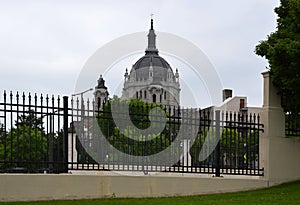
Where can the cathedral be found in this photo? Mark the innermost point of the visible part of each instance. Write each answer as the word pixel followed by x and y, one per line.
pixel 150 79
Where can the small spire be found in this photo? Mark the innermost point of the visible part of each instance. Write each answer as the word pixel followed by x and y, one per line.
pixel 151 21
pixel 151 24
pixel 151 49
pixel 101 83
pixel 126 73
pixel 177 74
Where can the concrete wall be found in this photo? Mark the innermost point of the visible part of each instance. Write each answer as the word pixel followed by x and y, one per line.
pixel 67 186
pixel 284 160
pixel 279 155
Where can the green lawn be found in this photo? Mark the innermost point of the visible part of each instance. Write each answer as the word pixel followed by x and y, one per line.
pixel 282 194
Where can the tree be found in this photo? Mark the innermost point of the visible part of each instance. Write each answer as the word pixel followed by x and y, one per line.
pixel 237 148
pixel 282 50
pixel 2 132
pixel 31 120
pixel 230 146
pixel 25 145
pixel 130 140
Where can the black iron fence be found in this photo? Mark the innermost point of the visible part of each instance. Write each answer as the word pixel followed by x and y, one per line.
pixel 32 135
pixel 54 135
pixel 292 125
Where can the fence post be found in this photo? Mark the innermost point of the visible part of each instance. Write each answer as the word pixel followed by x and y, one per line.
pixel 279 155
pixel 65 139
pixel 218 145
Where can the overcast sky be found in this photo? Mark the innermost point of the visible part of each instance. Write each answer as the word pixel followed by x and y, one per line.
pixel 45 44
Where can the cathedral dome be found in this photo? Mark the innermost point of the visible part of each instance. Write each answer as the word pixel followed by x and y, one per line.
pixel 151 60
pixel 155 64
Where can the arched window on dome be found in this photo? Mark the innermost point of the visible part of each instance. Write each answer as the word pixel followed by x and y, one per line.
pixel 165 95
pixel 145 94
pixel 137 94
pixel 154 98
pixel 141 94
pixel 98 102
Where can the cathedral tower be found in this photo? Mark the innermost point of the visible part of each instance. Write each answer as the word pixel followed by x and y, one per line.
pixel 151 78
pixel 101 93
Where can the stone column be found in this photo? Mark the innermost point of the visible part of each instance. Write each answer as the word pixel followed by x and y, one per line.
pixel 187 158
pixel 272 117
pixel 279 155
pixel 72 152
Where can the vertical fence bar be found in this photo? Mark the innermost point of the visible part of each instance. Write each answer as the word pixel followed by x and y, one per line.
pixel 73 140
pixel 65 139
pixel 218 151
pixel 5 134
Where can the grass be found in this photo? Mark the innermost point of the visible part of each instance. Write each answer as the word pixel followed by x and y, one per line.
pixel 283 194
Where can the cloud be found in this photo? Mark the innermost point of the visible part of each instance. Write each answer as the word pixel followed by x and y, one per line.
pixel 44 44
